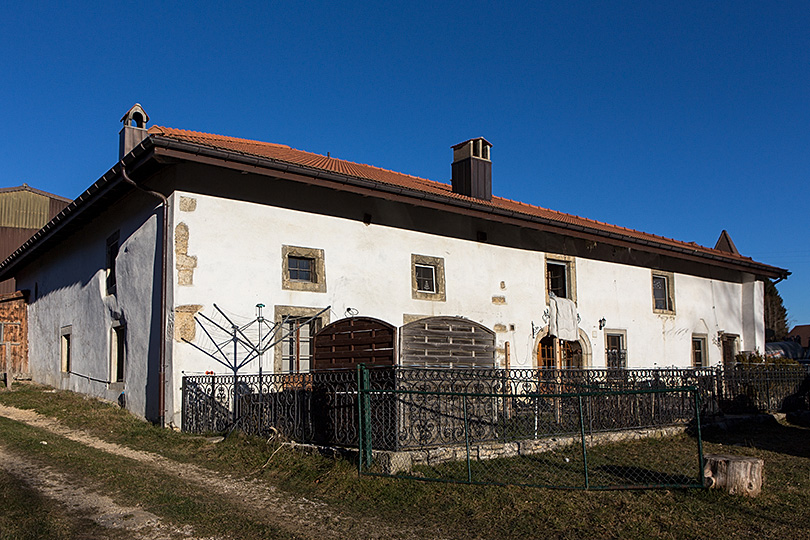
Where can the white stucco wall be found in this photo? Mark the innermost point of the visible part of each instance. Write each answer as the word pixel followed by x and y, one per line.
pixel 67 288
pixel 238 247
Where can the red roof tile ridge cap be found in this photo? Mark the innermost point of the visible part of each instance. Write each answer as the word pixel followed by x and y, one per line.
pixel 201 134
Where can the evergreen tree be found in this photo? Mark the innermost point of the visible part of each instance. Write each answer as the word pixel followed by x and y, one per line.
pixel 776 327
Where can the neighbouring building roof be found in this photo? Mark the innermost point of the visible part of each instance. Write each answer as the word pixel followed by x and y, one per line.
pixel 802 332
pixel 210 148
pixel 24 207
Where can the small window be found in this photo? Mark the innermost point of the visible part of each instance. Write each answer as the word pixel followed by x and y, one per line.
pixel 112 254
pixel 117 353
pixel 301 269
pixel 699 352
pixel 425 278
pixel 662 285
pixel 557 280
pixel 65 346
pixel 615 351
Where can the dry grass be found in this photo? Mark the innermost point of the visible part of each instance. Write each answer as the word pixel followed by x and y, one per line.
pixel 486 511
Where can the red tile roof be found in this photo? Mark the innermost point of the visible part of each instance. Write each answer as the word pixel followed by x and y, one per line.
pixel 286 154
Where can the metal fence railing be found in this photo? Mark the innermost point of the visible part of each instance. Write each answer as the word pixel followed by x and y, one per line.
pixel 321 407
pixel 572 439
pixel 308 407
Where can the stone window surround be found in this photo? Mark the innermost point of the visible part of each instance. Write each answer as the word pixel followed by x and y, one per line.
pixel 670 280
pixel 438 264
pixel 292 311
pixel 618 332
pixel 704 338
pixel 318 283
pixel 570 274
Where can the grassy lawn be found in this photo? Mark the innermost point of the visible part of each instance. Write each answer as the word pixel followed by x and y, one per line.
pixel 452 510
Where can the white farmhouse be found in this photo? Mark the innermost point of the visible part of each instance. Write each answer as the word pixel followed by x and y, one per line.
pixel 187 220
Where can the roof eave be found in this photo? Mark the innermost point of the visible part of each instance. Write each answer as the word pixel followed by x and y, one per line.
pixel 196 151
pixel 76 208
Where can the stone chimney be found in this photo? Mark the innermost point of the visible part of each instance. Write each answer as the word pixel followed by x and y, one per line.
pixel 134 130
pixel 472 169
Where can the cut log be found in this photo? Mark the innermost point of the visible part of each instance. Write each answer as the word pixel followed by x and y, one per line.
pixel 739 475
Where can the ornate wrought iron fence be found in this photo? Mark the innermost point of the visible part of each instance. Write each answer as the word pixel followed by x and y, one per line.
pixel 473 433
pixel 321 407
pixel 308 407
pixel 745 388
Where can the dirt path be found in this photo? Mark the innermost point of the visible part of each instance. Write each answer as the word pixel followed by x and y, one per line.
pixel 137 523
pixel 297 515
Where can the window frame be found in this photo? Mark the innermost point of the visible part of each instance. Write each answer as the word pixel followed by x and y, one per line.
pixel 118 354
pixel 421 279
pixel 704 351
pixel 622 334
pixel 669 288
pixel 439 294
pixel 66 349
pixel 292 341
pixel 295 271
pixel 295 312
pixel 317 283
pixel 569 264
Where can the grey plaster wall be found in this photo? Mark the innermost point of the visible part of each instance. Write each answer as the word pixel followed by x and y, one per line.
pixel 67 288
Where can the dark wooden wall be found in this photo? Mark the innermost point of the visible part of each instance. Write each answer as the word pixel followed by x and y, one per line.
pixel 355 340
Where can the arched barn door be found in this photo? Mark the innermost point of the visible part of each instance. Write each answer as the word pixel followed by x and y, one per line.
pixel 354 340
pixel 447 342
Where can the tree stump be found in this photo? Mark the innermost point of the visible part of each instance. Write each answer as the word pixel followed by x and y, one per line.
pixel 739 475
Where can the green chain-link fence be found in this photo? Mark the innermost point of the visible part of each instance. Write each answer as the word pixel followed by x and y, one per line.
pixel 550 435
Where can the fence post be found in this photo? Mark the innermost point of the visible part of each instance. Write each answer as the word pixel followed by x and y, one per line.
pixel 701 478
pixel 235 414
pixel 363 418
pixel 467 437
pixel 212 408
pixel 184 407
pixel 584 445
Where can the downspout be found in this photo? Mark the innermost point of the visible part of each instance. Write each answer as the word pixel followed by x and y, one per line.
pixel 163 292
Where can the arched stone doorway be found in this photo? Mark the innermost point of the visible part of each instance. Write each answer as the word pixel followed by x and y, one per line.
pixel 552 352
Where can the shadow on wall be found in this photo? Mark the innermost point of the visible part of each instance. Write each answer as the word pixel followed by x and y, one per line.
pixel 71 265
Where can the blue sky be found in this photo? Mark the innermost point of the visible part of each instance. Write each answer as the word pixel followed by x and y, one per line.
pixel 679 119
